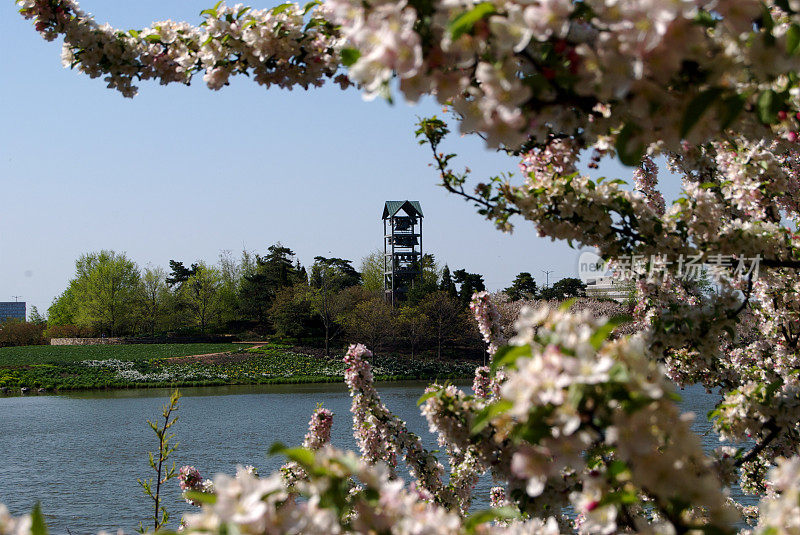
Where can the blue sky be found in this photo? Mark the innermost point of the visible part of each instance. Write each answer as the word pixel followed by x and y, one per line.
pixel 185 173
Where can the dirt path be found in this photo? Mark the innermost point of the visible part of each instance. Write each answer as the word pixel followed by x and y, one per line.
pixel 216 358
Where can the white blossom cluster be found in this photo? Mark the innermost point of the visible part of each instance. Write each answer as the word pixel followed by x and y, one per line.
pixel 599 69
pixel 367 500
pixel 276 47
pixel 602 70
pixel 488 321
pixel 780 513
pixel 10 525
pixel 383 437
pixel 567 398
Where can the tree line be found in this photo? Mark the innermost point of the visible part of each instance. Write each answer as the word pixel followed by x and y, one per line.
pixel 274 295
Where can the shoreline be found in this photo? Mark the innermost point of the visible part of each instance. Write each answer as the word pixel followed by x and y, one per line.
pixel 33 392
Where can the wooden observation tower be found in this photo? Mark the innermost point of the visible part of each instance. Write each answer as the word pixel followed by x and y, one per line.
pixel 402 248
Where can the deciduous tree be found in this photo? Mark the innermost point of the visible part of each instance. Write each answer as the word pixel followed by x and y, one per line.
pixel 154 298
pixel 105 286
pixel 371 321
pixel 201 295
pixel 447 318
pixel 372 272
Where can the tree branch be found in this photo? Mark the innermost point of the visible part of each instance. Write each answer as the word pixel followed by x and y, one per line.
pixel 758 448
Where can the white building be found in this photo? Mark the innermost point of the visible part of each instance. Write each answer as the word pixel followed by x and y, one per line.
pixel 609 288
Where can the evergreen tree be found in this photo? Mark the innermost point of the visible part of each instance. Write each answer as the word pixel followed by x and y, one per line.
pixel 447 285
pixel 300 273
pixel 564 289
pixel 179 273
pixel 341 273
pixel 469 283
pixel 258 289
pixel 329 277
pixel 279 266
pixel 523 287
pixel 426 283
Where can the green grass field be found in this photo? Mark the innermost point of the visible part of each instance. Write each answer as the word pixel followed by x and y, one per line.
pixel 29 355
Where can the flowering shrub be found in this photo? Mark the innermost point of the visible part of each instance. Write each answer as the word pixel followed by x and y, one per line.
pixel 563 416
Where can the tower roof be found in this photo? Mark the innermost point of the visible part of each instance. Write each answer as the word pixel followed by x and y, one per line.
pixel 410 207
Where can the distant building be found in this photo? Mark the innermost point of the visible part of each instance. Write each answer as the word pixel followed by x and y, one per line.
pixel 402 248
pixel 609 288
pixel 12 310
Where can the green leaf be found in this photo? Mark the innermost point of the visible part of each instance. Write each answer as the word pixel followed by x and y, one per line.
pixel 488 413
pixel 487 515
pixel 466 21
pixel 38 527
pixel 792 38
pixel 616 468
pixel 769 103
pixel 349 56
pixel 426 396
pixel 697 107
pixel 277 448
pixel 310 5
pixel 508 355
pixel 302 456
pixel 201 497
pixel 154 38
pixel 602 334
pixel 629 153
pixel 281 8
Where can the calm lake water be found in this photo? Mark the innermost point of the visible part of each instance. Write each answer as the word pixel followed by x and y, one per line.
pixel 81 454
